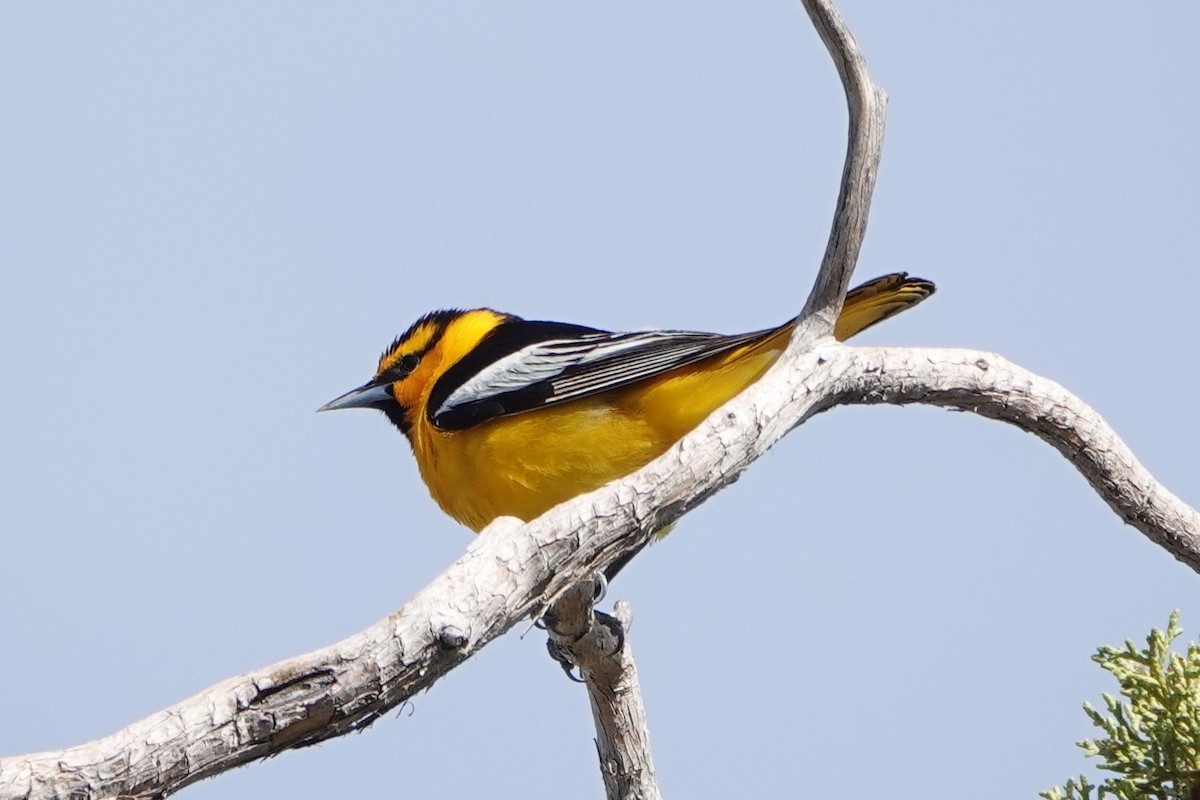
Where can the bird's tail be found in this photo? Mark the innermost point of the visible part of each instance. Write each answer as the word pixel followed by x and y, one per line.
pixel 877 300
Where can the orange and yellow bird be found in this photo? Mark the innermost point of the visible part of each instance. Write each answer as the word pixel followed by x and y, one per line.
pixel 510 417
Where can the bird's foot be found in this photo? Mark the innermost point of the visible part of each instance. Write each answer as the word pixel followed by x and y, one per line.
pixel 567 667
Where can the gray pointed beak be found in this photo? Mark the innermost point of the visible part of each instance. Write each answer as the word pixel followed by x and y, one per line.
pixel 367 396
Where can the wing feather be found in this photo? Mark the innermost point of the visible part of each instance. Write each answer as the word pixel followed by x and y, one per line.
pixel 558 368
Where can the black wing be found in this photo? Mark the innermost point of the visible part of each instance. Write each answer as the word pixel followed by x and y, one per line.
pixel 523 365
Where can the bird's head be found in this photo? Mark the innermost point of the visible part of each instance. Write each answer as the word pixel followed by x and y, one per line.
pixel 409 368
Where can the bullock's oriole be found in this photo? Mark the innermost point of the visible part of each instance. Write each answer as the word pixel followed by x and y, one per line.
pixel 510 417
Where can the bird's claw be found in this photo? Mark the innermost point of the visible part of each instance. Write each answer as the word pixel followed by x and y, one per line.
pixel 563 661
pixel 599 587
pixel 614 626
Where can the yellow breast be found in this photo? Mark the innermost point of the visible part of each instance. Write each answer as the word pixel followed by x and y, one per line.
pixel 525 464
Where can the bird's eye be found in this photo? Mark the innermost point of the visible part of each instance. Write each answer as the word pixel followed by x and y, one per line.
pixel 402 368
pixel 399 370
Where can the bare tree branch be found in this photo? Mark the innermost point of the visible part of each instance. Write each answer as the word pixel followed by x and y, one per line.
pixel 867 104
pixel 605 659
pixel 514 571
pixel 622 736
pixel 991 386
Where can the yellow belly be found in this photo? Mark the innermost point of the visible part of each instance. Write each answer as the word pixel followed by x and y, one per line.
pixel 525 464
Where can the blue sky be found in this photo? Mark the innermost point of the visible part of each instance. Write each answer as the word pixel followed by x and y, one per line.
pixel 213 217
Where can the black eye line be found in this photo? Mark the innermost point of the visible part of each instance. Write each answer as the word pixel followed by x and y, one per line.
pixel 409 361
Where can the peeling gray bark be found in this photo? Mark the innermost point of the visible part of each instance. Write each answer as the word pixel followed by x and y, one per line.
pixel 993 387
pixel 515 571
pixel 603 654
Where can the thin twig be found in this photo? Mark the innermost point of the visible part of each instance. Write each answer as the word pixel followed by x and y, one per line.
pixel 867 106
pixel 604 656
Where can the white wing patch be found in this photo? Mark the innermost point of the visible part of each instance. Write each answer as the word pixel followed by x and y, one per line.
pixel 529 365
pixel 629 356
